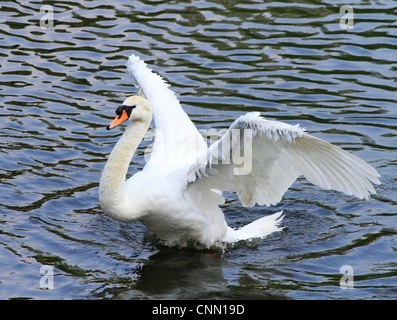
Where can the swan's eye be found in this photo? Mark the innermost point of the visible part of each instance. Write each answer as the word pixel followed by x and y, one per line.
pixel 119 110
pixel 128 109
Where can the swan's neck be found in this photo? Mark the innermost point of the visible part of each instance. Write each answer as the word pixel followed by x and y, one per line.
pixel 111 186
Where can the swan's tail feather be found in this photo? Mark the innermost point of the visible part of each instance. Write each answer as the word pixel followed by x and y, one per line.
pixel 257 229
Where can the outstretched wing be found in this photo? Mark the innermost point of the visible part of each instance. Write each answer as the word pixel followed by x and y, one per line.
pixel 177 141
pixel 260 159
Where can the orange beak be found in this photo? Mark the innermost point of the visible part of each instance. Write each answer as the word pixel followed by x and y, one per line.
pixel 118 120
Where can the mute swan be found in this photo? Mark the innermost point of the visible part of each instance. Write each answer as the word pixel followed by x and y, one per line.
pixel 178 192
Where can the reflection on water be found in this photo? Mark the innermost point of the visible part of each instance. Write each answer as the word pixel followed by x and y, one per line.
pixel 169 274
pixel 293 62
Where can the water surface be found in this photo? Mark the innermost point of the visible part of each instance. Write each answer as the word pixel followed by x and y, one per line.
pixel 291 61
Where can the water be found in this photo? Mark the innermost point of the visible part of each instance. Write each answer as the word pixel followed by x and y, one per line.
pixel 291 61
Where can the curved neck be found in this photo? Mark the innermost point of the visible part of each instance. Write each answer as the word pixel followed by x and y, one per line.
pixel 111 186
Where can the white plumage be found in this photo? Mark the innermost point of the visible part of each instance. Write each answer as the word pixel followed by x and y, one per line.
pixel 178 193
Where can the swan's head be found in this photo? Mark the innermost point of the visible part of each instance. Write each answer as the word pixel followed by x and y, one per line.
pixel 134 107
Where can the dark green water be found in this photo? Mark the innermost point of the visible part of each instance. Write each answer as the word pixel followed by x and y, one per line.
pixel 291 60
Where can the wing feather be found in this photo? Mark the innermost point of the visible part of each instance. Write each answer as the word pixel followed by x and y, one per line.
pixel 278 153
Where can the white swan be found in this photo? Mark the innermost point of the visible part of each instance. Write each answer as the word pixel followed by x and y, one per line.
pixel 178 193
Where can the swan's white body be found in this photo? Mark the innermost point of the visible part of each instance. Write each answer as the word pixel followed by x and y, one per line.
pixel 178 193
